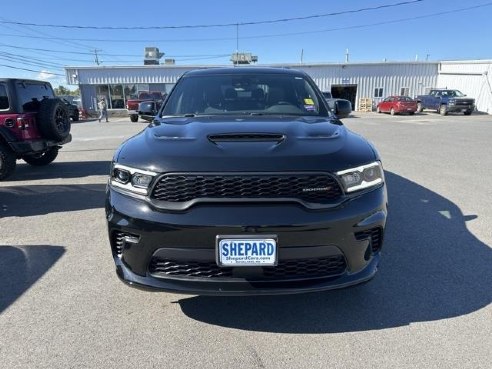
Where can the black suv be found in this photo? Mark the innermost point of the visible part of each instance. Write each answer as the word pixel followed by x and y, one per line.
pixel 245 183
pixel 73 110
pixel 33 124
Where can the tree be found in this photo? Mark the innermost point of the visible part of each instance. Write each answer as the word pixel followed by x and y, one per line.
pixel 61 90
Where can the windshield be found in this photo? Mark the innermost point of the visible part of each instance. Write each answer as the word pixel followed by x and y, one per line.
pixel 30 95
pixel 156 95
pixel 242 94
pixel 404 98
pixel 455 93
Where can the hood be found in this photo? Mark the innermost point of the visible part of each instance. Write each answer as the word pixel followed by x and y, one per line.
pixel 258 143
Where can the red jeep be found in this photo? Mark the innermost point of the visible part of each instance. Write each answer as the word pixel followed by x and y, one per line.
pixel 33 124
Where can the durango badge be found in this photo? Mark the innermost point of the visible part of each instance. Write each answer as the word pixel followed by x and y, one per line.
pixel 316 189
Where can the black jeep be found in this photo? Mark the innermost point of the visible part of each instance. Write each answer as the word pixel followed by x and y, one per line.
pixel 33 124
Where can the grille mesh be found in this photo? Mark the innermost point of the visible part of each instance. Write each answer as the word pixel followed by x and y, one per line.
pixel 118 241
pixel 186 187
pixel 286 269
pixel 375 235
pixel 464 102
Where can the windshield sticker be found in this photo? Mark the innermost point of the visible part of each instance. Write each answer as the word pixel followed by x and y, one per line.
pixel 308 101
pixel 310 107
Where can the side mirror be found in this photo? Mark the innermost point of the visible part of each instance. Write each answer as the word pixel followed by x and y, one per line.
pixel 147 108
pixel 343 108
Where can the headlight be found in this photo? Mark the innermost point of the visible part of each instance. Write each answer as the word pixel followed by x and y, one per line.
pixel 451 101
pixel 131 179
pixel 365 176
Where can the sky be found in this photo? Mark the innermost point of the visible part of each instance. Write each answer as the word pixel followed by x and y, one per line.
pixel 44 37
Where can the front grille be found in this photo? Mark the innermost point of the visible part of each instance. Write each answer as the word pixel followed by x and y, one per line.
pixel 315 188
pixel 328 266
pixel 187 268
pixel 374 235
pixel 118 241
pixel 308 268
pixel 464 102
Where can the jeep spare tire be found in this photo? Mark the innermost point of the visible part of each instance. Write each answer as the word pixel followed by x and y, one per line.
pixel 54 119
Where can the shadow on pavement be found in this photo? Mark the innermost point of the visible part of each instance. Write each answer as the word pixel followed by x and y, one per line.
pixel 21 267
pixel 26 172
pixel 432 268
pixel 23 201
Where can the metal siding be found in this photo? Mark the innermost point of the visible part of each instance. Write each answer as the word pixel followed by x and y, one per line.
pixel 391 77
pixel 471 77
pixel 128 75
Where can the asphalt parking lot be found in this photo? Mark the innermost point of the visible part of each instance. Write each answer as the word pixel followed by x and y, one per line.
pixel 62 306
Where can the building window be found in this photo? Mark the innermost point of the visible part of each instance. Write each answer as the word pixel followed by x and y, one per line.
pixel 404 91
pixel 117 98
pixel 102 92
pixel 378 92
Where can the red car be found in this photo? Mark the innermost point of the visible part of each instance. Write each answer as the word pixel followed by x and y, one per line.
pixel 397 105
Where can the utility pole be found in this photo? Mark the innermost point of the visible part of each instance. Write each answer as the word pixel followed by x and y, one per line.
pixel 237 44
pixel 302 56
pixel 96 57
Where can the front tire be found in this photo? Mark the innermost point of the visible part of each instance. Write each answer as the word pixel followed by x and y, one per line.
pixel 7 161
pixel 467 112
pixel 44 158
pixel 443 110
pixel 134 118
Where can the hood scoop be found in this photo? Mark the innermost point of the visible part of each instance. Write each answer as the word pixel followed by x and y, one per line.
pixel 246 137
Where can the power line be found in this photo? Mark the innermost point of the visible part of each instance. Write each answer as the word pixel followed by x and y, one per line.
pixel 23 58
pixel 368 25
pixel 271 35
pixel 281 20
pixel 47 50
pixel 47 63
pixel 32 70
pixel 105 54
pixel 22 61
pixel 29 31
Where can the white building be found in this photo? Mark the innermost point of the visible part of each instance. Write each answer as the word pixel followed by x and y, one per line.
pixel 353 81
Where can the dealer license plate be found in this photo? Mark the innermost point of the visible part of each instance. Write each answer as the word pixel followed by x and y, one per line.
pixel 246 251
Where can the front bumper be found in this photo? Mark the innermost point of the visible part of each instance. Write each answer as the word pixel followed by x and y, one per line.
pixel 144 235
pixel 459 108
